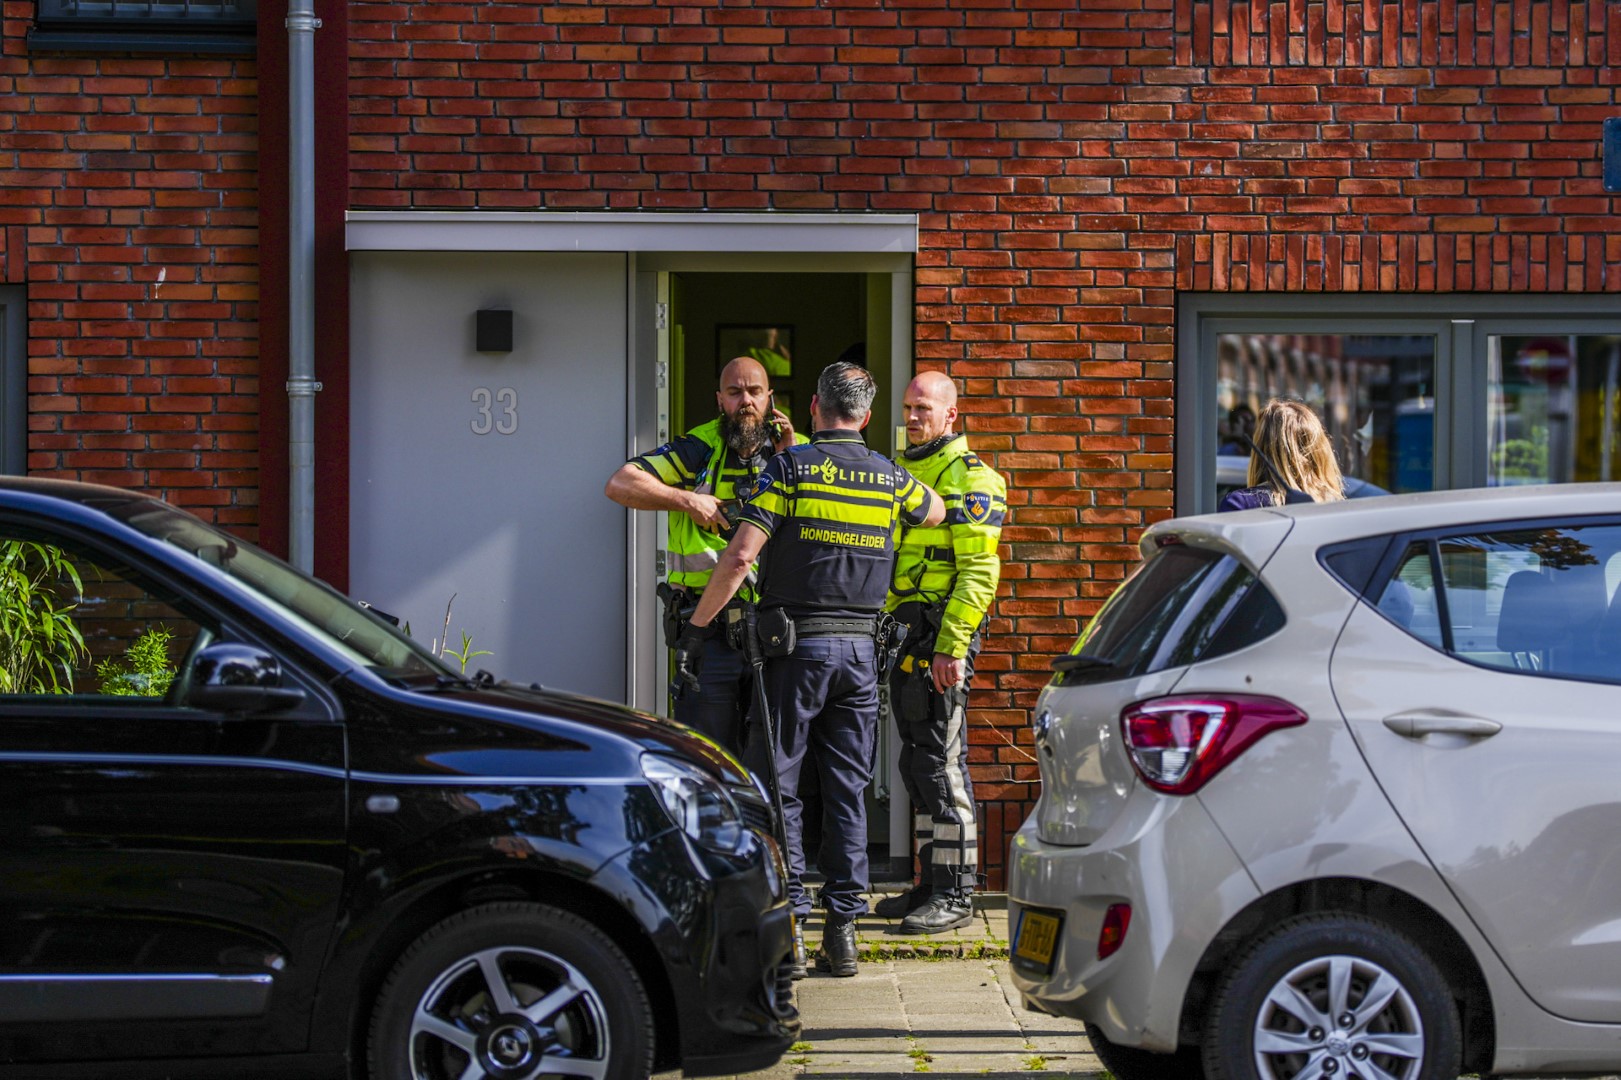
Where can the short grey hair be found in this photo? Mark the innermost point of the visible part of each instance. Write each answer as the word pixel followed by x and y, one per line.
pixel 846 391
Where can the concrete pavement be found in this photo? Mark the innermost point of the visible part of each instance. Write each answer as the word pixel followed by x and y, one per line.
pixel 942 1005
pixel 948 1018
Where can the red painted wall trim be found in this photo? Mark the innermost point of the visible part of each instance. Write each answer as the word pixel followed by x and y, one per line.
pixel 332 294
pixel 273 460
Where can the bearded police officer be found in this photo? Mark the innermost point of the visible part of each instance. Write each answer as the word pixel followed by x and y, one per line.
pixel 945 581
pixel 697 479
pixel 825 517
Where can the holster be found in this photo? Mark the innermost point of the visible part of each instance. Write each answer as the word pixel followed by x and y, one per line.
pixel 679 604
pixel 889 634
pixel 774 630
pixel 922 622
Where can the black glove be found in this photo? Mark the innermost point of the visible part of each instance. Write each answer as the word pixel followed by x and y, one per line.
pixel 689 654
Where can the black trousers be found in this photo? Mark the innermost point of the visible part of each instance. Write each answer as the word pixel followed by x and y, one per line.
pixel 825 696
pixel 721 701
pixel 933 730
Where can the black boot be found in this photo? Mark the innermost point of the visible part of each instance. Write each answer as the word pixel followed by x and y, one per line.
pixel 796 961
pixel 903 904
pixel 837 956
pixel 944 911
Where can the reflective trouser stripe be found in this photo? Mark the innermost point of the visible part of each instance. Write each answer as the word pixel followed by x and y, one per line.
pixel 934 766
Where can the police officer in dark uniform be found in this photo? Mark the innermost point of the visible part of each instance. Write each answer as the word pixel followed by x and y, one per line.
pixel 823 520
pixel 698 479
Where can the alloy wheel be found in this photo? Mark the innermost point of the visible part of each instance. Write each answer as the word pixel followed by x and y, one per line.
pixel 509 1014
pixel 1337 1017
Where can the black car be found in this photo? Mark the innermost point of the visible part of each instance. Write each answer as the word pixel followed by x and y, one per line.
pixel 248 825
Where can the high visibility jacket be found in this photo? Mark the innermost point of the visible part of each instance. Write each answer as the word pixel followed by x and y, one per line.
pixel 955 561
pixel 700 461
pixel 830 512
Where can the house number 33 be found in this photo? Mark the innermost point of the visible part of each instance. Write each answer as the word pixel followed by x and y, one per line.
pixel 497 410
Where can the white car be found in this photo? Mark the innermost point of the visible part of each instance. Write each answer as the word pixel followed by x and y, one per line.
pixel 1335 791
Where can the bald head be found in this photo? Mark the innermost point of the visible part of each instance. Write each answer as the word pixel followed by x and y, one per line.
pixel 744 371
pixel 743 397
pixel 930 405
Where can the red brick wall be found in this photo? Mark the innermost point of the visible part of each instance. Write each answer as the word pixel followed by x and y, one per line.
pixel 128 210
pixel 1075 164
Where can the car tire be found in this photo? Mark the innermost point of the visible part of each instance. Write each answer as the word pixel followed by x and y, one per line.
pixel 1332 987
pixel 1130 1063
pixel 565 990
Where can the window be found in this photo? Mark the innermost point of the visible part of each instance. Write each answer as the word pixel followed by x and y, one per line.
pixel 1417 392
pixel 1552 404
pixel 145 25
pixel 1536 600
pixel 1375 394
pixel 1185 604
pixel 76 625
pixel 1408 598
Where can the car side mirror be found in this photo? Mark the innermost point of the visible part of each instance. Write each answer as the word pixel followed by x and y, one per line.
pixel 232 677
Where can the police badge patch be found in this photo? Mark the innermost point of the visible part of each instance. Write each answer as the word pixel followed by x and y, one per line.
pixel 977 506
pixel 758 488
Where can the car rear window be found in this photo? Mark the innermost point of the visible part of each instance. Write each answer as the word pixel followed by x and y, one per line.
pixel 1185 604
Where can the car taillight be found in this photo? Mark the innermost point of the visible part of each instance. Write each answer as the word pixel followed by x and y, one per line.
pixel 1178 743
pixel 1116 921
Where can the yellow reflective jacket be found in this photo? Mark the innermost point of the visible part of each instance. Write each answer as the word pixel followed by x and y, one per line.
pixel 956 560
pixel 701 461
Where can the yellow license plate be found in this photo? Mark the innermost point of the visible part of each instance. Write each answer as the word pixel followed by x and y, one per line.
pixel 1037 939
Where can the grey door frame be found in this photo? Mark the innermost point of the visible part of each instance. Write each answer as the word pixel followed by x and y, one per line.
pixel 1461 324
pixel 13 380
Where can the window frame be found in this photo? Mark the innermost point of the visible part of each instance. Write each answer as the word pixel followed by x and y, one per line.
pixel 13 381
pixel 56 28
pixel 1461 324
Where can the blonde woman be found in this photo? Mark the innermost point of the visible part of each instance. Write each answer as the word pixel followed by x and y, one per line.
pixel 1291 460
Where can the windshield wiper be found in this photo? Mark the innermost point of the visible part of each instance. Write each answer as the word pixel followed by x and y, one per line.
pixel 481 680
pixel 1077 662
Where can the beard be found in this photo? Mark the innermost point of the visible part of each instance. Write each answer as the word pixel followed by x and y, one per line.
pixel 744 432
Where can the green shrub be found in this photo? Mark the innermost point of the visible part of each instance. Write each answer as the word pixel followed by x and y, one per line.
pixel 39 641
pixel 145 670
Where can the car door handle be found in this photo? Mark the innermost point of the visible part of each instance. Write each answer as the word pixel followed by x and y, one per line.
pixel 1416 727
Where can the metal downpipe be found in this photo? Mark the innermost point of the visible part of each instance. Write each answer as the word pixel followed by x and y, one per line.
pixel 301 384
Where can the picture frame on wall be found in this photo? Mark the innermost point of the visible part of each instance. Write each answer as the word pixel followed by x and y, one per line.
pixel 772 345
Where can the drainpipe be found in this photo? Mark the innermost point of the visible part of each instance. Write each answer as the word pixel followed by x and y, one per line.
pixel 301 384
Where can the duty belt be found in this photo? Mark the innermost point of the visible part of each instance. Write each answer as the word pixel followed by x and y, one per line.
pixel 826 626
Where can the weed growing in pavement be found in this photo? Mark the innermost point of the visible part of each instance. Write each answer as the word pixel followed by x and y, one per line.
pixel 801 1047
pixel 1035 1063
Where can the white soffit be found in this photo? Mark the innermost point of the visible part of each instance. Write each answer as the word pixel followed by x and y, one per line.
pixel 478 230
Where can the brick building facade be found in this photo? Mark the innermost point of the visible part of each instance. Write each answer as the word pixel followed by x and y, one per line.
pixel 1077 170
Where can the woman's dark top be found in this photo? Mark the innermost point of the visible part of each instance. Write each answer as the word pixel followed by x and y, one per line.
pixel 1250 498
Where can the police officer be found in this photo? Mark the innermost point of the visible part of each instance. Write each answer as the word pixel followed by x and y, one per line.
pixel 825 517
pixel 945 580
pixel 697 479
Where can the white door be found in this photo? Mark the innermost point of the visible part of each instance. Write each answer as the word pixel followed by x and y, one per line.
pixel 480 475
pixel 1499 742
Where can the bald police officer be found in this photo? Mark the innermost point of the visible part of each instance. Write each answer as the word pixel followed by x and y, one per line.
pixel 945 581
pixel 697 478
pixel 825 517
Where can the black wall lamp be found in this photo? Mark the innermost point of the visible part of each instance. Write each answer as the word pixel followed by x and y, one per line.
pixel 494 330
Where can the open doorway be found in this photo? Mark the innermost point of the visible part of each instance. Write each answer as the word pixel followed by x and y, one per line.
pixel 795 324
